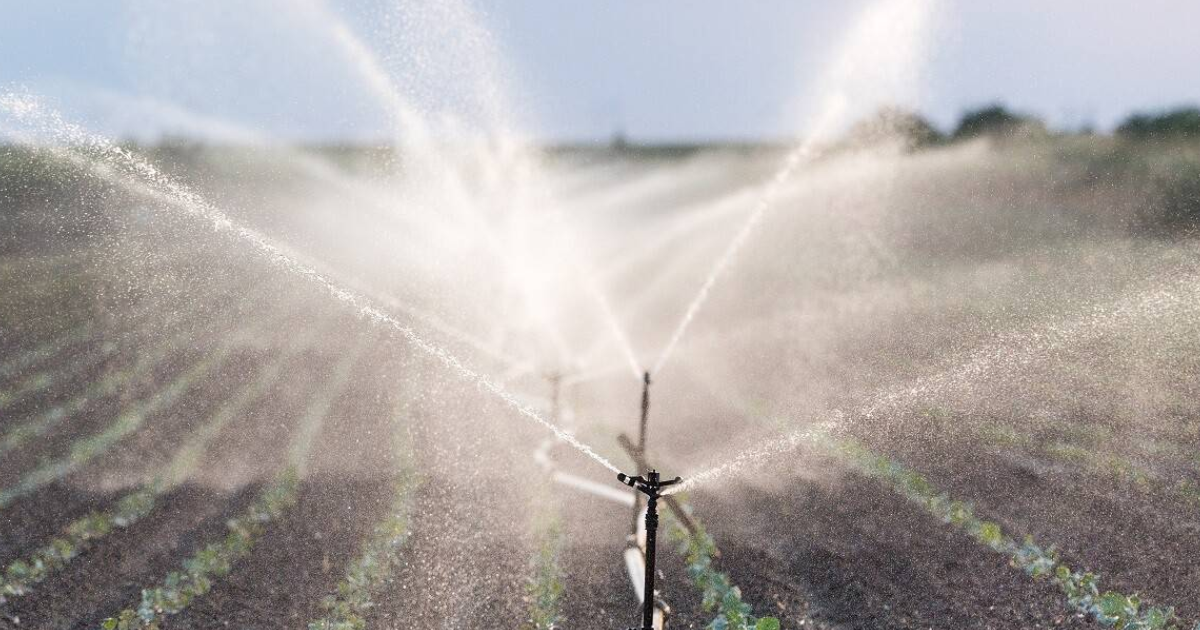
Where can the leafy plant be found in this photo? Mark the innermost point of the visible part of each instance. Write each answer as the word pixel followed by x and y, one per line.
pixel 214 561
pixel 718 593
pixel 20 576
pixel 87 449
pixel 217 559
pixel 375 565
pixel 46 350
pixel 546 588
pixel 112 383
pixel 1082 590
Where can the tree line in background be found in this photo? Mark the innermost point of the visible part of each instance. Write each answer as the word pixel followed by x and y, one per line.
pixel 996 120
pixel 1149 169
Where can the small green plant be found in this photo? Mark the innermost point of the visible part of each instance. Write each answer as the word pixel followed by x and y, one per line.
pixel 46 350
pixel 87 449
pixel 20 576
pixel 1069 453
pixel 214 561
pixel 546 586
pixel 1082 590
pixel 370 572
pixel 719 595
pixel 112 383
pixel 217 559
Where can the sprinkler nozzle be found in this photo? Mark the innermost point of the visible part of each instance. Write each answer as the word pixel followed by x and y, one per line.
pixel 632 482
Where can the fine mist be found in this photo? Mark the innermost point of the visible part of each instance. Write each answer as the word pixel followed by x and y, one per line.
pixel 910 378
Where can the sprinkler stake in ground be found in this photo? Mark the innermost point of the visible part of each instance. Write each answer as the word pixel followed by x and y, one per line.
pixel 651 485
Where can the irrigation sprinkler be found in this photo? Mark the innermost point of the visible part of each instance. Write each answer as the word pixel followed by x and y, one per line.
pixel 651 485
pixel 645 412
pixel 672 503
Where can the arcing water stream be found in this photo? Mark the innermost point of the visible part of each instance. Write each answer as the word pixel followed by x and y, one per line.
pixel 870 68
pixel 1178 297
pixel 879 52
pixel 964 302
pixel 28 110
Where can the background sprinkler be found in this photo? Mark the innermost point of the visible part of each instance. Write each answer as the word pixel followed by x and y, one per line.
pixel 639 451
pixel 645 412
pixel 638 557
pixel 651 485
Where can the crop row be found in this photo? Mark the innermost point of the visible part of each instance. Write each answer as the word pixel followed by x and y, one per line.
pixel 368 574
pixel 1082 590
pixel 719 596
pixel 20 576
pixel 201 571
pixel 85 450
pixel 214 561
pixel 47 353
pixel 54 371
pixel 46 350
pixel 44 379
pixel 546 585
pixel 1102 463
pixel 111 384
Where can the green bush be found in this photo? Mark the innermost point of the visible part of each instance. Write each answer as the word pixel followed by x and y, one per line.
pixel 1183 122
pixel 997 120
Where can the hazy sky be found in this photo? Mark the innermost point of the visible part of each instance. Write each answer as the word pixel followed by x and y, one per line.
pixel 657 69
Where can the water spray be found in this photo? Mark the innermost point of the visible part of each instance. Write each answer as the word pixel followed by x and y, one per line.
pixel 651 485
pixel 134 173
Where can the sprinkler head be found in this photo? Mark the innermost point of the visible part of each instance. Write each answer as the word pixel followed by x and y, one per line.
pixel 646 377
pixel 648 485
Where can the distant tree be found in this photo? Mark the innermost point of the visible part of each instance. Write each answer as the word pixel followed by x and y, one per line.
pixel 997 120
pixel 1183 122
pixel 893 124
pixel 619 140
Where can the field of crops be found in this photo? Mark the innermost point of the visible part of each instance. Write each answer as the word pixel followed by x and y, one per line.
pixel 1003 338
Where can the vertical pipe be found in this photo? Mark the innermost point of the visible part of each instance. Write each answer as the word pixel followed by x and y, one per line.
pixel 645 413
pixel 651 536
pixel 641 444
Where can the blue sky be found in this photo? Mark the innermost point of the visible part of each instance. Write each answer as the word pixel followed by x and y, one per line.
pixel 658 70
